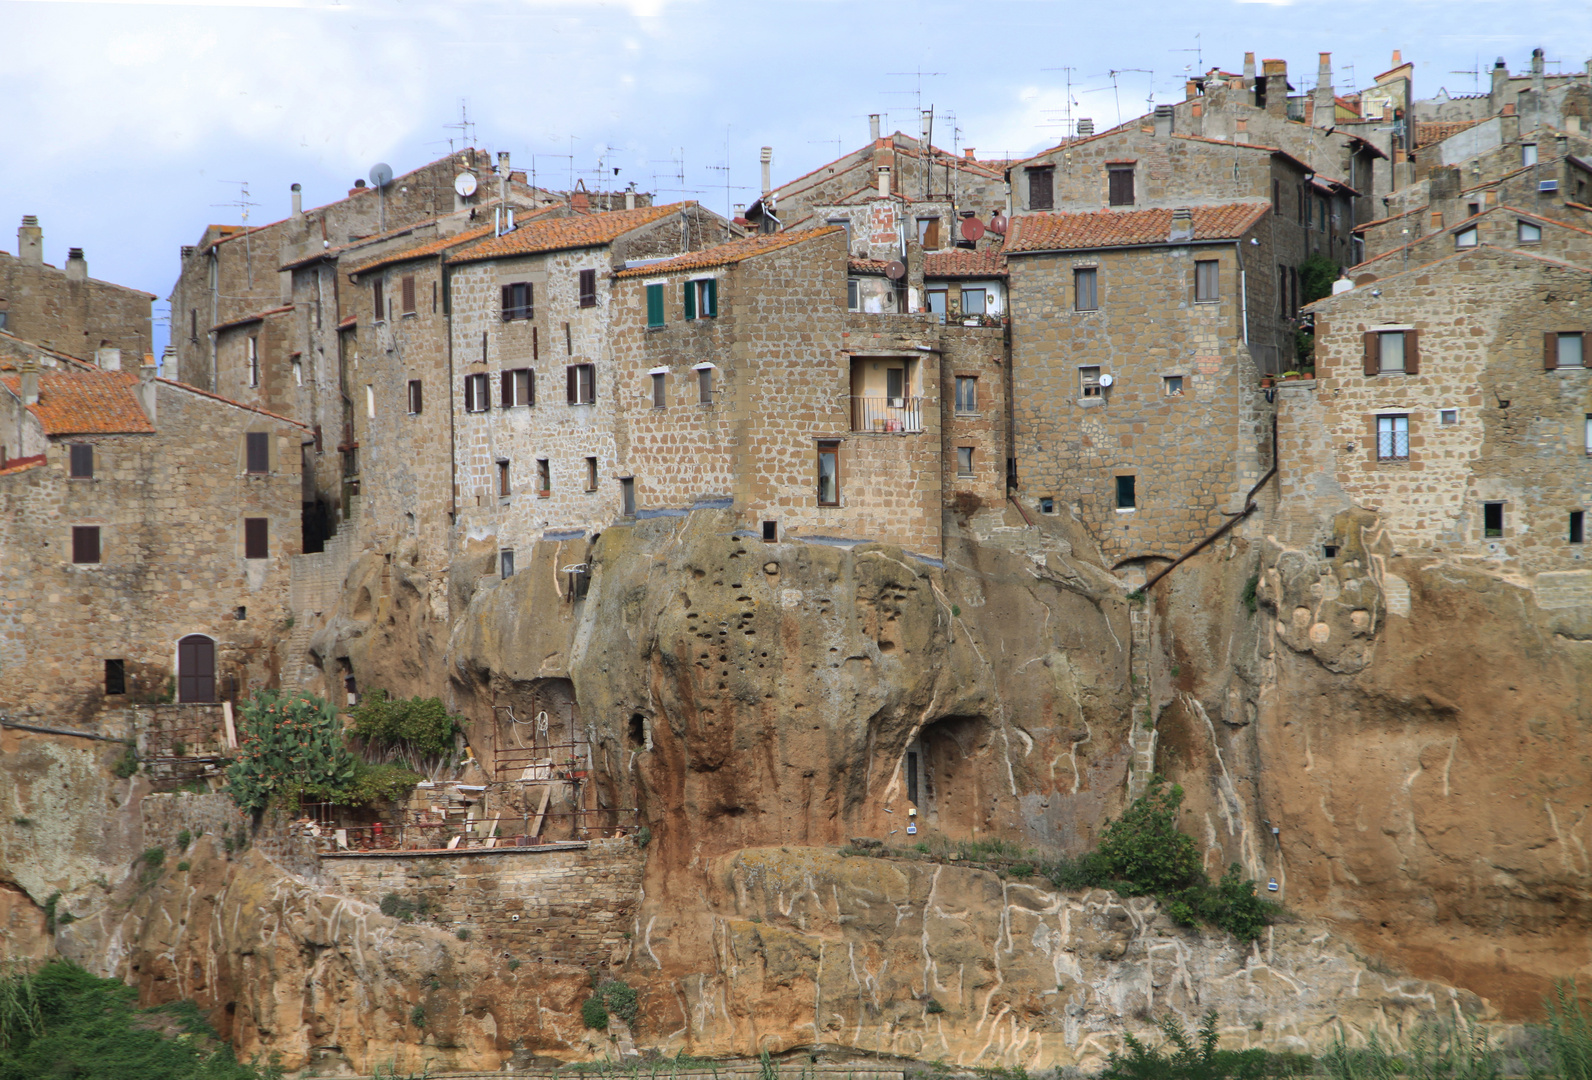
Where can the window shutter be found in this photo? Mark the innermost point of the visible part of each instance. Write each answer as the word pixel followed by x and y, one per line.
pixel 257 447
pixel 508 302
pixel 506 398
pixel 654 305
pixel 1412 352
pixel 1373 353
pixel 711 301
pixel 256 543
pixel 375 298
pixel 1550 352
pixel 530 386
pixel 569 374
pixel 469 393
pixel 409 294
pixel 690 300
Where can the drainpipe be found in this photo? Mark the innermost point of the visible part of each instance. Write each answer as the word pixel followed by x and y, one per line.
pixel 453 442
pixel 1243 291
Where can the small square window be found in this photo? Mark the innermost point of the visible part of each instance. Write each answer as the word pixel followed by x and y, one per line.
pixel 967 394
pixel 702 299
pixel 770 531
pixel 115 676
pixel 591 474
pixel 1448 417
pixel 582 384
pixel 1127 492
pixel 82 461
pixel 1047 505
pixel 1390 350
pixel 256 538
pixel 477 395
pixel 544 476
pixel 1329 551
pixel 518 389
pixel 1528 153
pixel 1121 185
pixel 964 461
pixel 518 301
pixel 1085 288
pixel 1529 233
pixel 659 391
pixel 1577 526
pixel 1089 382
pixel 705 385
pixel 1173 385
pixel 85 543
pixel 506 563
pixel 416 397
pixel 1492 519
pixel 1466 238
pixel 1571 353
pixel 974 301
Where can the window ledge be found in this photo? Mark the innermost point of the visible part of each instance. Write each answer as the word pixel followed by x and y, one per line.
pixel 1126 509
pixel 967 415
pixel 1091 402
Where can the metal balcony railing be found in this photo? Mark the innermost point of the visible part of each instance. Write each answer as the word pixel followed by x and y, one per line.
pixel 886 414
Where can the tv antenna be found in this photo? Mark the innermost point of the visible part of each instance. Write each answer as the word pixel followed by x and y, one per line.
pixel 917 93
pixel 1474 73
pixel 1066 121
pixel 465 127
pixel 1199 57
pixel 729 209
pixel 1117 97
pixel 242 203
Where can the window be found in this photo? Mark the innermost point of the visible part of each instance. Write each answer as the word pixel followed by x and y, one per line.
pixel 1085 292
pixel 257 452
pixel 370 401
pixel 1041 187
pixel 85 543
pixel 477 398
pixel 1577 526
pixel 929 233
pixel 1127 492
pixel 627 496
pixel 581 382
pixel 659 400
pixel 973 301
pixel 1392 352
pixel 82 462
pixel 376 300
pixel 193 324
pixel 298 371
pixel 256 538
pixel 1448 417
pixel 569 342
pixel 1393 438
pixel 936 304
pixel 116 676
pixel 1120 184
pixel 1276 196
pixel 591 474
pixel 702 298
pixel 416 397
pixel 252 361
pixel 505 478
pixel 407 289
pixel 1089 382
pixel 518 388
pixel 655 304
pixel 1492 520
pixel 1329 551
pixel 1207 281
pixel 853 294
pixel 895 386
pixel 705 385
pixel 544 476
pixel 966 394
pixel 1563 350
pixel 828 474
pixel 1529 233
pixel 1472 209
pixel 1465 238
pixel 518 301
pixel 1299 204
pixel 964 461
pixel 1047 504
pixel 1282 290
pixel 506 563
pixel 1172 385
pixel 1528 153
pixel 1587 436
pixel 770 532
pixel 588 288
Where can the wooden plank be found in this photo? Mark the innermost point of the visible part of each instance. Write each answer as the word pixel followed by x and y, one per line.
pixel 541 811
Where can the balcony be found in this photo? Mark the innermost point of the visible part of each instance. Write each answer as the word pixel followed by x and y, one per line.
pixel 887 415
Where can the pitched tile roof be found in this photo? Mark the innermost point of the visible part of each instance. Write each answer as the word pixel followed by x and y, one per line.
pixel 258 316
pixel 21 464
pixel 1502 209
pixel 14 351
pixel 86 403
pixel 1483 250
pixel 962 263
pixel 867 266
pixel 732 251
pixel 561 234
pixel 234 404
pixel 1127 228
pixel 420 251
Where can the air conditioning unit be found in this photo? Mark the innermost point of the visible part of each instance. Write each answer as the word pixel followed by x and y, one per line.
pixel 1547 185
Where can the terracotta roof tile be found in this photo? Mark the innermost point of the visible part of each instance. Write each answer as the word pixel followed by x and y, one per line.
pixel 420 251
pixel 1435 131
pixel 732 251
pixel 21 464
pixel 259 316
pixel 86 403
pixel 561 234
pixel 1127 228
pixel 962 263
pixel 15 350
pixel 352 320
pixel 867 266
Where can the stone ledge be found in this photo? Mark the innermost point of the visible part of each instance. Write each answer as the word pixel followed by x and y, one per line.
pixel 459 853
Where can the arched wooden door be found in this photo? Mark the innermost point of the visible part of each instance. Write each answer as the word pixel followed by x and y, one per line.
pixel 196 668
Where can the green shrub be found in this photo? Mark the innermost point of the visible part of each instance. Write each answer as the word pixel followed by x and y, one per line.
pixel 1251 589
pixel 1022 871
pixel 54 918
pixel 417 1016
pixel 463 933
pixel 1316 276
pixel 154 858
pixel 401 907
pixel 182 867
pixel 418 729
pixel 22 821
pixel 1442 1051
pixel 1198 1058
pixel 289 744
pixel 377 784
pixel 1145 847
pixel 594 1014
pixel 933 1008
pixel 1568 1033
pixel 514 965
pixel 126 765
pixel 184 838
pixel 643 837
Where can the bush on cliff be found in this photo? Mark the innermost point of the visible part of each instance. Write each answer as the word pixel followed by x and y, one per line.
pixel 1182 1057
pixel 416 730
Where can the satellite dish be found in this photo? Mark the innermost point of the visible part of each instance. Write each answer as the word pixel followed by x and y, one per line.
pixel 972 229
pixel 895 271
pixel 1106 380
pixel 997 224
pixel 464 184
pixel 381 174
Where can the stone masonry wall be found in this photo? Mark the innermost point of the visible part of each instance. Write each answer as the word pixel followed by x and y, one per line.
pixel 75 315
pixel 565 904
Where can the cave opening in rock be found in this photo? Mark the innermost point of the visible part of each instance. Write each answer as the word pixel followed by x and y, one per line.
pixel 943 772
pixel 638 732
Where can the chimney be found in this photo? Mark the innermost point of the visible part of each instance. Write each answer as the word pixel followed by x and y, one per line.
pixel 884 181
pixel 298 199
pixel 1163 121
pixel 30 242
pixel 503 164
pixel 873 127
pixel 1500 84
pixel 1249 70
pixel 1275 73
pixel 1085 128
pixel 76 265
pixel 969 155
pixel 146 384
pixel 1509 124
pixel 1191 89
pixel 630 197
pixel 189 250
pixel 1398 58
pixel 30 381
pixel 107 358
pixel 767 159
pixel 168 361
pixel 1182 225
pixel 1326 98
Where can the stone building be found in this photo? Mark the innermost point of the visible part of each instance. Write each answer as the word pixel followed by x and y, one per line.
pixel 65 309
pixel 743 381
pixel 147 527
pixel 1452 400
pixel 1136 345
pixel 534 395
pixel 1499 226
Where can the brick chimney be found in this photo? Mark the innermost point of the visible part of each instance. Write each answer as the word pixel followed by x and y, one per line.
pixel 1163 121
pixel 1249 69
pixel 30 241
pixel 146 389
pixel 30 381
pixel 1182 225
pixel 1325 97
pixel 1276 76
pixel 76 265
pixel 968 155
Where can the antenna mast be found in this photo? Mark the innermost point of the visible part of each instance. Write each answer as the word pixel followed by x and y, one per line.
pixel 243 205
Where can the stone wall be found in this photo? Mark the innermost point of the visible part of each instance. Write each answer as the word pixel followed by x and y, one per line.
pixel 567 904
pixel 1498 226
pixel 65 309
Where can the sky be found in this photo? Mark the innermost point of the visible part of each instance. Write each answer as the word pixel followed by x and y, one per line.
pixel 127 127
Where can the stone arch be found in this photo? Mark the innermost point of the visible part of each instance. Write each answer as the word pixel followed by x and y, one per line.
pixel 194 661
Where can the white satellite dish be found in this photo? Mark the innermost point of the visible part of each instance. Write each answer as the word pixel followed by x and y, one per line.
pixel 380 174
pixel 464 184
pixel 1106 380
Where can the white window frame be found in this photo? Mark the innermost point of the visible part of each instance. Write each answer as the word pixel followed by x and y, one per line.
pixel 1520 232
pixel 1580 349
pixel 964 461
pixel 1387 437
pixel 1467 238
pixel 964 407
pixel 1089 386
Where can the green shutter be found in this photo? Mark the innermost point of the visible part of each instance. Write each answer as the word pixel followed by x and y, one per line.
pixel 654 305
pixel 690 300
pixel 712 311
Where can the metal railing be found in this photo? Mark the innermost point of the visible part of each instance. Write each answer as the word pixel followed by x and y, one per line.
pixel 424 831
pixel 884 415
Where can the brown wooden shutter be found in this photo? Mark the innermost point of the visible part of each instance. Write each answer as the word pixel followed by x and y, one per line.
pixel 375 298
pixel 508 303
pixel 1412 352
pixel 1550 352
pixel 256 538
pixel 258 447
pixel 409 294
pixel 1373 353
pixel 85 544
pixel 506 397
pixel 469 393
pixel 569 372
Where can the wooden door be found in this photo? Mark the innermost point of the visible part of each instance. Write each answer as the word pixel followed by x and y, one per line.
pixel 196 669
